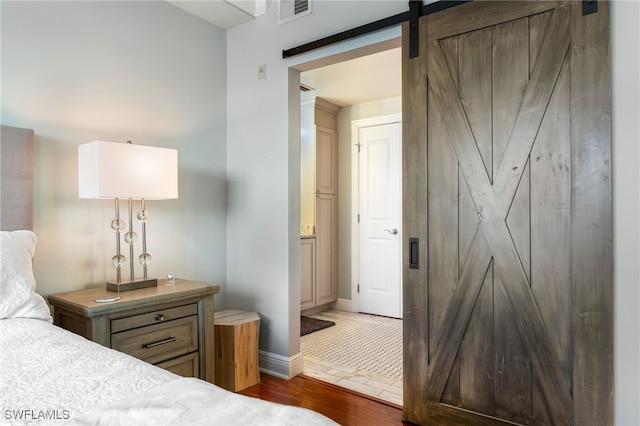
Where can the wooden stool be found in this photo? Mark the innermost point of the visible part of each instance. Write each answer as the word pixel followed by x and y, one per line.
pixel 236 349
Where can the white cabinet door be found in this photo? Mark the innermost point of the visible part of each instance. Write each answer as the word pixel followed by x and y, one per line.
pixel 326 160
pixel 326 249
pixel 307 273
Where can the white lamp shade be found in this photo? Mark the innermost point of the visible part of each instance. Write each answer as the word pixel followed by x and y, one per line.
pixel 123 170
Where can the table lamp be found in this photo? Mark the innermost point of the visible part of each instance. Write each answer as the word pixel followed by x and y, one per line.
pixel 124 171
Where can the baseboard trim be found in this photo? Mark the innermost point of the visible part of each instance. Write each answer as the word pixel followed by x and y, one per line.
pixel 281 366
pixel 317 309
pixel 343 305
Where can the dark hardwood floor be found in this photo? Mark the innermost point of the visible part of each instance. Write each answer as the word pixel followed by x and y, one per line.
pixel 342 406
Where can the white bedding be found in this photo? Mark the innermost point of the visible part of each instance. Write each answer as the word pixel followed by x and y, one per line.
pixel 51 376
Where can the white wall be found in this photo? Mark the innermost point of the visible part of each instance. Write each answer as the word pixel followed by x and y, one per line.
pixel 141 71
pixel 625 37
pixel 258 163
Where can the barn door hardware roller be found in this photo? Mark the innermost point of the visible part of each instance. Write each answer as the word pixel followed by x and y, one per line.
pixel 414 28
pixel 589 7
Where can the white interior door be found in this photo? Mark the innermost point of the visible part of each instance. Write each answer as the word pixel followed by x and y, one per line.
pixel 380 233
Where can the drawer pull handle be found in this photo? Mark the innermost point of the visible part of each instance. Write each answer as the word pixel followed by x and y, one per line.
pixel 159 317
pixel 161 342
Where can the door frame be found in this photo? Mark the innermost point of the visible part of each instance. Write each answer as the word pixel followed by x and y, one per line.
pixel 356 125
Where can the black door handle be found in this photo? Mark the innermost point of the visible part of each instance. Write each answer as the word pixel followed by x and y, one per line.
pixel 414 253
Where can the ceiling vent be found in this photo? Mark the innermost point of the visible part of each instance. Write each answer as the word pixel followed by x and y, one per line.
pixel 288 10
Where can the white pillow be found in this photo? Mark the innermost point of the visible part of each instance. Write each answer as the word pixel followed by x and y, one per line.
pixel 18 298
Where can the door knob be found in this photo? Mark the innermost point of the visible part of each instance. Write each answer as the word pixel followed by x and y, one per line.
pixel 393 231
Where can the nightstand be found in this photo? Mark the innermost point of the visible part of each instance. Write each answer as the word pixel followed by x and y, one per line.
pixel 171 327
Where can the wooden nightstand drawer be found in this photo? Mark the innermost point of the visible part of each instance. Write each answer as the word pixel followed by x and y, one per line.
pixel 155 317
pixel 185 366
pixel 159 342
pixel 171 327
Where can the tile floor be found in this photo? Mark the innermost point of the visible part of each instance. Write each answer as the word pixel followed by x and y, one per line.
pixel 361 352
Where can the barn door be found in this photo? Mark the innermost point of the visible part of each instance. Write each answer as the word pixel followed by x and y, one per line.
pixel 508 313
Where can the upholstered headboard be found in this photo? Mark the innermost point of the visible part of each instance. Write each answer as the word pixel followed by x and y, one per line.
pixel 16 178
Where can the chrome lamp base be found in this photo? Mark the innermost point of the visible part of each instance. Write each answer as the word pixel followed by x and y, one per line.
pixel 132 285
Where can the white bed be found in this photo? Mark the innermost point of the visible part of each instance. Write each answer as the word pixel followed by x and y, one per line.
pixel 51 376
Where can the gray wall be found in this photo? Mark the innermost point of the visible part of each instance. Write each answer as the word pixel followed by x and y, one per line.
pixel 263 245
pixel 625 65
pixel 141 71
